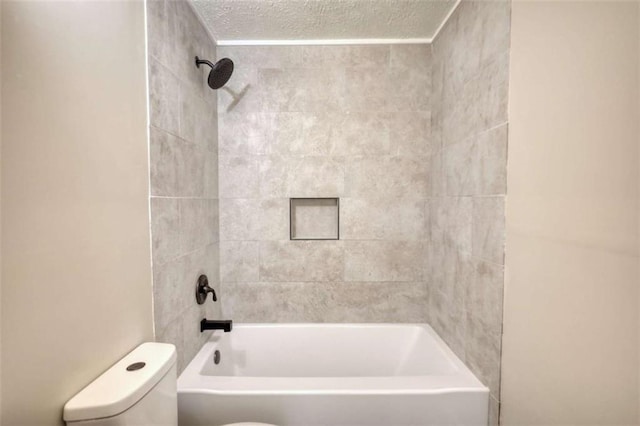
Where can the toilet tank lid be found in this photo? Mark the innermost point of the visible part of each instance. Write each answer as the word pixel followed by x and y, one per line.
pixel 119 388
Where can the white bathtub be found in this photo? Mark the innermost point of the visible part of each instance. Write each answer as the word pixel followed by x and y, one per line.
pixel 330 375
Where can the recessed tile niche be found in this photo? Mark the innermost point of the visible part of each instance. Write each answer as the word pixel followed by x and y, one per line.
pixel 314 218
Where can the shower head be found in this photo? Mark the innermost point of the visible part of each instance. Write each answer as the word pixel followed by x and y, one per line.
pixel 220 71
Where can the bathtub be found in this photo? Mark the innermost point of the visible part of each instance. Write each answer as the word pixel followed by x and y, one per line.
pixel 330 375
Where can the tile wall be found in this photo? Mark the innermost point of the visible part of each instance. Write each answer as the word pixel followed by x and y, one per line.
pixel 411 138
pixel 470 61
pixel 184 174
pixel 325 121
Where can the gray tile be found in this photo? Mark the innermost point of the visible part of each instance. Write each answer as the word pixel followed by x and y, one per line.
pixel 494 412
pixel 346 56
pixel 451 220
pixel 239 219
pixel 211 174
pixel 301 261
pixel 158 31
pixel 301 176
pixel 183 155
pixel 238 177
pixel 264 56
pixel 304 134
pixel 414 56
pixel 460 165
pixel 192 338
pixel 382 219
pixel 198 223
pixel 483 355
pixel 324 302
pixel 374 177
pixel 299 89
pixel 374 302
pixel 360 133
pixel 172 333
pixel 410 133
pixel 274 219
pixel 164 95
pixel 276 302
pixel 492 86
pixel 491 170
pixel 435 174
pixel 495 15
pixel 384 260
pixel 165 229
pixel 488 229
pixel 239 260
pixel 167 297
pixel 198 117
pixel 165 158
pixel 484 296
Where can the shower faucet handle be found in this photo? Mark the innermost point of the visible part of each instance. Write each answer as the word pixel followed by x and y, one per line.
pixel 202 289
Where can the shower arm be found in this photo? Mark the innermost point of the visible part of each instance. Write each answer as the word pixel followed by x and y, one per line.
pixel 203 61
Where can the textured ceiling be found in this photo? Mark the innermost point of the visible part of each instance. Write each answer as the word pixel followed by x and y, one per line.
pixel 232 21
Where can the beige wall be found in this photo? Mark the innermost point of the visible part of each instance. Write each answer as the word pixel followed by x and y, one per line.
pixel 570 348
pixel 76 255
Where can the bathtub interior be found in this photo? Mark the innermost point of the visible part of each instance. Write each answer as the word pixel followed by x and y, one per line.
pixel 327 351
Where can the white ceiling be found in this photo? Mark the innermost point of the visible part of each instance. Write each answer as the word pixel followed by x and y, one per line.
pixel 323 21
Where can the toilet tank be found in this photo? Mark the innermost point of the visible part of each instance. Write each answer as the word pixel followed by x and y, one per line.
pixel 139 390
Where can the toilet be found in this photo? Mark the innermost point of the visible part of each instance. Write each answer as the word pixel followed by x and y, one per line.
pixel 140 389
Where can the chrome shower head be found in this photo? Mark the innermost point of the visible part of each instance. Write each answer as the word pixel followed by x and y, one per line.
pixel 220 71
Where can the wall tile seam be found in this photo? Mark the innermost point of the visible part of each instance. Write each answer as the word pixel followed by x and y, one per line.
pixel 185 141
pixel 182 139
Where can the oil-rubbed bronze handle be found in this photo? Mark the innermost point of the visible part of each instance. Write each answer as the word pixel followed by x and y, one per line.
pixel 202 289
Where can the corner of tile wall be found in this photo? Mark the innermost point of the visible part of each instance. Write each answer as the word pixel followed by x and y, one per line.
pixel 466 248
pixel 183 174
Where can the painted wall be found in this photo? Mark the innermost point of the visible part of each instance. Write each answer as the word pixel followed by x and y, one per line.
pixel 76 263
pixel 184 174
pixel 570 348
pixel 325 121
pixel 466 244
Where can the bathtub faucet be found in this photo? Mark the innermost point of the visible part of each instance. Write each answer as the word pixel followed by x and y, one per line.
pixel 225 325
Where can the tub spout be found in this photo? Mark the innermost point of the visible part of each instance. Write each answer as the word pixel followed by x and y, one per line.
pixel 224 325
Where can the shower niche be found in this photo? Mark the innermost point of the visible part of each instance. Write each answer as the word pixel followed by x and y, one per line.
pixel 314 218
